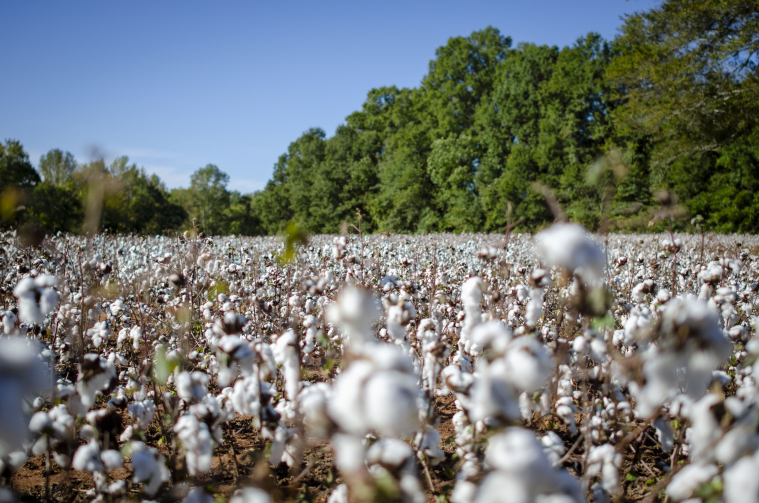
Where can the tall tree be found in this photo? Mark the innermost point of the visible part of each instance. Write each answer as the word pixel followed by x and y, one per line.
pixel 57 166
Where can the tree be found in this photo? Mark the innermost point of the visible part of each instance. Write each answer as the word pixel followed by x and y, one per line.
pixel 688 74
pixel 56 166
pixel 208 198
pixel 17 179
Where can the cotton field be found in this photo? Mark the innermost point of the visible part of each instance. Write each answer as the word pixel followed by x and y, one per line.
pixel 555 368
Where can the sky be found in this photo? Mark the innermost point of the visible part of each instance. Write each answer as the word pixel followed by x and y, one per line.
pixel 177 85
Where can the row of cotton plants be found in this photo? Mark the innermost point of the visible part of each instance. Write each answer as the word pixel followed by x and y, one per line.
pixel 547 361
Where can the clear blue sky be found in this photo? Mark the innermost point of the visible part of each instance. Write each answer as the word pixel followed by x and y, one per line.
pixel 176 85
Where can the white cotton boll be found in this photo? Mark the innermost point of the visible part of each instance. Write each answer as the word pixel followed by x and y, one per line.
pixel 527 363
pixel 394 319
pixel 111 459
pixel 48 301
pixel 580 344
pixel 339 495
pixel 492 396
pixel 534 307
pixel 498 484
pixel 492 336
pixel 427 442
pixel 87 458
pixel 136 335
pixel 565 409
pixel 390 453
pixel 349 454
pixel 313 403
pixel 246 395
pixel 23 377
pixel 40 422
pixel 568 245
pixel 685 482
pixel 553 447
pixel 198 443
pixel 250 495
pixel 116 307
pixel 516 450
pixel 142 411
pixel 471 291
pixel 464 492
pixel 661 382
pixel 604 459
pixel 664 433
pixel 191 386
pixel 9 322
pixel 286 353
pixel 28 309
pixel 149 468
pixel 391 406
pixel 741 485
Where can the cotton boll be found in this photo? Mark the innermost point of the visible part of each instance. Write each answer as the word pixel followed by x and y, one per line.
pixel 111 459
pixel 685 482
pixel 23 376
pixel 493 337
pixel 391 406
pixel 497 484
pixel 87 458
pixel 568 245
pixel 390 453
pixel 251 495
pixel 197 440
pixel 149 468
pixel 286 353
pixel 191 386
pixel 553 447
pixel 143 412
pixel 492 396
pixel 604 459
pixel 741 485
pixel 312 402
pixel 527 363
pixel 9 322
pixel 349 454
pixel 338 495
pixel 427 442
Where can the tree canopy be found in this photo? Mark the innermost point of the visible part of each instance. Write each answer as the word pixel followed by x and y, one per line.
pixel 671 103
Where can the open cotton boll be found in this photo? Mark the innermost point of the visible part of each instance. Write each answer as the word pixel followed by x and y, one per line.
pixel 493 337
pixel 9 322
pixel 191 386
pixel 339 495
pixel 427 442
pixel 250 495
pixel 312 402
pixel 198 443
pixel 285 351
pixel 604 459
pixel 568 245
pixel 149 468
pixel 685 482
pixel 492 396
pixel 391 406
pixel 528 364
pixel 390 453
pixel 741 485
pixel 349 454
pixel 522 465
pixel 87 458
pixel 22 376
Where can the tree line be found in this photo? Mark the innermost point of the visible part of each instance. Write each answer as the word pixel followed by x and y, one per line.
pixel 598 127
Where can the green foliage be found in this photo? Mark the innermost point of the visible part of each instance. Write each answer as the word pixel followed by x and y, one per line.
pixel 671 103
